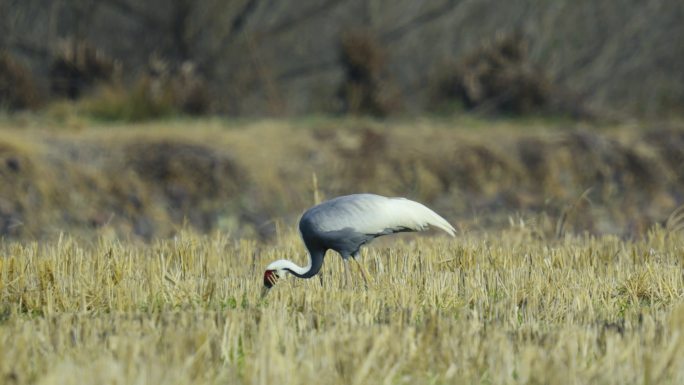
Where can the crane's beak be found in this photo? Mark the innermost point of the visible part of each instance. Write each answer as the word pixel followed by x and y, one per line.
pixel 264 291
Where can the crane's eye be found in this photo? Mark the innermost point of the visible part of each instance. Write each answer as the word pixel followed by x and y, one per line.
pixel 270 278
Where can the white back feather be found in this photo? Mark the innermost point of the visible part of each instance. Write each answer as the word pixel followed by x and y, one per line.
pixel 374 214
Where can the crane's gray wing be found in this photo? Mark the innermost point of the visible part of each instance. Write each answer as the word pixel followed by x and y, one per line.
pixel 373 215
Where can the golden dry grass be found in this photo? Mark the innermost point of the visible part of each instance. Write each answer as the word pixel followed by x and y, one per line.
pixel 533 303
pixel 502 308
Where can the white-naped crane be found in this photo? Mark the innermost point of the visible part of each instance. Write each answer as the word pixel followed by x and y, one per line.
pixel 346 223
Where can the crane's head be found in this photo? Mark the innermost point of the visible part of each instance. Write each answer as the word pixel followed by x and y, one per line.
pixel 271 277
pixel 275 271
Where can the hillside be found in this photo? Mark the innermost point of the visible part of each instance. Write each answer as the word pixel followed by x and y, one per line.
pixel 249 177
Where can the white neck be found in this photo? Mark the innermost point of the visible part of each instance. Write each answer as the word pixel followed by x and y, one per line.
pixel 312 268
pixel 284 264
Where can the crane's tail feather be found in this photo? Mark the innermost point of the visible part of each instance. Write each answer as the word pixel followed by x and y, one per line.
pixel 420 216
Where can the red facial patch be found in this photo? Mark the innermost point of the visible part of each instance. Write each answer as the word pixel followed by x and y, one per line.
pixel 270 278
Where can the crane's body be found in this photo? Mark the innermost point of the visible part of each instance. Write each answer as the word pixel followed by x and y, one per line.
pixel 346 223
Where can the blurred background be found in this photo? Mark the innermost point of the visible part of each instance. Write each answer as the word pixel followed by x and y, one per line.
pixel 138 118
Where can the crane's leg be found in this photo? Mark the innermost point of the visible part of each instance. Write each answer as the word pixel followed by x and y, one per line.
pixel 361 269
pixel 347 274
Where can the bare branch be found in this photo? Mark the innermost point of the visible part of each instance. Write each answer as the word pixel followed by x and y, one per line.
pixel 134 11
pixel 309 69
pixel 29 48
pixel 301 17
pixel 241 18
pixel 419 21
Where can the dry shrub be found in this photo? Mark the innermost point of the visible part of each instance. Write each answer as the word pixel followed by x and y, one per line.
pixel 116 102
pixel 192 92
pixel 195 180
pixel 181 86
pixel 163 91
pixel 17 90
pixel 77 67
pixel 367 88
pixel 499 77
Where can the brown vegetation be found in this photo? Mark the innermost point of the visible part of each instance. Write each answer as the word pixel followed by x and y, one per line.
pixel 367 88
pixel 165 90
pixel 250 176
pixel 79 66
pixel 17 90
pixel 258 58
pixel 499 77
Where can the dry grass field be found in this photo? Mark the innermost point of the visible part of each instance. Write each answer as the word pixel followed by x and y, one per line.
pixel 134 254
pixel 502 308
pixel 156 155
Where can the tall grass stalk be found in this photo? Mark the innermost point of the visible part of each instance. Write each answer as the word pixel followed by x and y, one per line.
pixel 503 308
